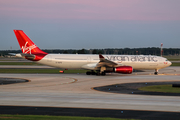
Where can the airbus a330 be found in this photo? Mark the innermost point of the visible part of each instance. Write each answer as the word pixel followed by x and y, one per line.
pixel 97 64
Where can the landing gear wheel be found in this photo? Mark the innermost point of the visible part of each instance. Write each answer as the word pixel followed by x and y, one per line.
pixel 88 73
pixel 155 73
pixel 98 73
pixel 93 73
pixel 103 73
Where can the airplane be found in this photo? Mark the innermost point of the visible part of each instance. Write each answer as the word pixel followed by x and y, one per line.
pixel 97 64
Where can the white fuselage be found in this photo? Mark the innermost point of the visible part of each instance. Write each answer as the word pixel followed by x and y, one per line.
pixel 88 61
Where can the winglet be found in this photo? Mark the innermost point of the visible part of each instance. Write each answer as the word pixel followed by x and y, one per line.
pixel 100 56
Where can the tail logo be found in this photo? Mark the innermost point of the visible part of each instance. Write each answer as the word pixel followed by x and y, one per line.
pixel 27 49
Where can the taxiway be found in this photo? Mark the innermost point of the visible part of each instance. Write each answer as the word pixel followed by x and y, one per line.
pixel 75 90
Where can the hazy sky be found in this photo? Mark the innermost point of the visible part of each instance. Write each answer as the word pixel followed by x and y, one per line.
pixel 77 24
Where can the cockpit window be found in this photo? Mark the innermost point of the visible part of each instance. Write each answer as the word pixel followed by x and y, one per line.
pixel 166 60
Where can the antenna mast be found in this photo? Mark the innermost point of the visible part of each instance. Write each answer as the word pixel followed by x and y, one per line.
pixel 161 49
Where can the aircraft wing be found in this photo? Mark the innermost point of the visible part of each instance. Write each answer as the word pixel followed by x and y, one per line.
pixel 102 63
pixel 106 63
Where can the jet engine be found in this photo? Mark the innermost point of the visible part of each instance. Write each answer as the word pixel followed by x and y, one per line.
pixel 123 69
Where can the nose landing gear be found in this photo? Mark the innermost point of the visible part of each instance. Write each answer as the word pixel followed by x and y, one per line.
pixel 156 72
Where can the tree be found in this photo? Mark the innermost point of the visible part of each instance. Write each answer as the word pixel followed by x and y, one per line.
pixel 94 51
pixel 81 51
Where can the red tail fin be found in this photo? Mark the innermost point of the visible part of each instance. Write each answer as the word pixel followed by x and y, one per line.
pixel 26 45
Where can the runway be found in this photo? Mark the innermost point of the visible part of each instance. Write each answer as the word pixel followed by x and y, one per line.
pixel 75 91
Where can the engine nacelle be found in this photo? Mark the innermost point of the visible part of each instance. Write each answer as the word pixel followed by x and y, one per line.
pixel 123 69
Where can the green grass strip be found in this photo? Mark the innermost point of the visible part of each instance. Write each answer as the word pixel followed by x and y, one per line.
pixel 161 88
pixel 174 59
pixel 175 64
pixel 47 117
pixel 19 63
pixel 47 71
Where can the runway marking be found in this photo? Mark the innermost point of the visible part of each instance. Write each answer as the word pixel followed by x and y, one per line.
pixel 73 80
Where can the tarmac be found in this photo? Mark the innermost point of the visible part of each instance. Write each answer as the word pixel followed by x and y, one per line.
pixel 76 91
pixel 86 112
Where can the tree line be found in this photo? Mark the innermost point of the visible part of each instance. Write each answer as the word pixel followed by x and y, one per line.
pixel 119 51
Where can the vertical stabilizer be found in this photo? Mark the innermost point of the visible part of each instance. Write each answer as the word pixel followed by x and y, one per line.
pixel 26 45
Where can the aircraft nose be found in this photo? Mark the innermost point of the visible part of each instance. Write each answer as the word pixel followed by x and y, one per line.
pixel 169 63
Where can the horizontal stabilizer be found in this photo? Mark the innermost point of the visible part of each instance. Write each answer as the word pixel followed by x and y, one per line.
pixel 13 54
pixel 23 55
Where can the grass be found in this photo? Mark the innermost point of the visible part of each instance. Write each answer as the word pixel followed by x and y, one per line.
pixel 47 71
pixel 47 117
pixel 19 63
pixel 175 64
pixel 173 58
pixel 161 88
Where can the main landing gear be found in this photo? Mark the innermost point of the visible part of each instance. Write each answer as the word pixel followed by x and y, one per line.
pixel 103 73
pixel 95 73
pixel 90 72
